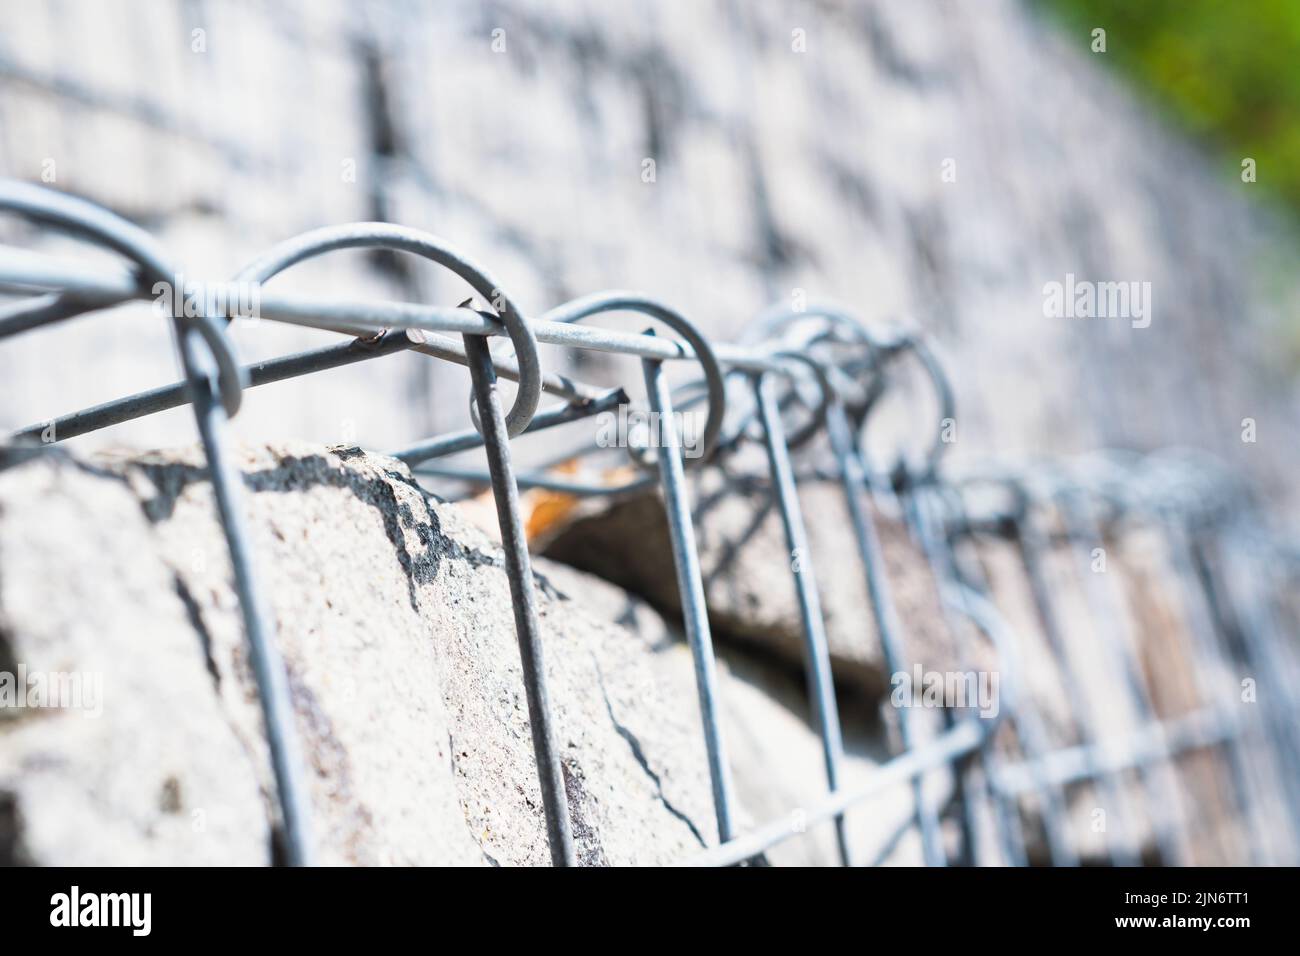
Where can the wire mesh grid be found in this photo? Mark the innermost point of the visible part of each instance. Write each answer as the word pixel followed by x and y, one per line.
pixel 830 370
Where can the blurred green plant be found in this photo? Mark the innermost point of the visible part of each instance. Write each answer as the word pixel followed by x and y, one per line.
pixel 1227 70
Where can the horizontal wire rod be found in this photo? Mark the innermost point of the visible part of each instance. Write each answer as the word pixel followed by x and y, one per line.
pixel 1151 743
pixel 24 269
pixel 547 418
pixel 962 738
pixel 173 396
pixel 1197 730
pixel 360 349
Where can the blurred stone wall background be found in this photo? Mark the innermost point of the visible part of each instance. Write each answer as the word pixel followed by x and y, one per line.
pixel 225 127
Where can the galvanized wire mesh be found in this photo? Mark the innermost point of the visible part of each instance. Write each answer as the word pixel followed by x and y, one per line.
pixel 1231 573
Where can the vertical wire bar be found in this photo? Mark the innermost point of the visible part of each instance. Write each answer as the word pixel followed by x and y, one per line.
pixel 821 690
pixel 968 793
pixel 853 475
pixel 690 587
pixel 1008 811
pixel 1264 647
pixel 943 569
pixel 268 666
pixel 1268 637
pixel 1117 643
pixel 1200 629
pixel 1243 643
pixel 1030 542
pixel 974 792
pixel 519 570
pixel 1026 720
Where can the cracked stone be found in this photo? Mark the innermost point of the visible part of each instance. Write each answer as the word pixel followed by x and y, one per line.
pixel 394 618
pixel 393 615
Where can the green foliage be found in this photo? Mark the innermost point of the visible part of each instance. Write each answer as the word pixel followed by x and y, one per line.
pixel 1226 70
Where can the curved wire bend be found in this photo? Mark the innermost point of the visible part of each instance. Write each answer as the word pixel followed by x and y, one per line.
pixel 383 235
pixel 89 221
pixel 780 320
pixel 622 301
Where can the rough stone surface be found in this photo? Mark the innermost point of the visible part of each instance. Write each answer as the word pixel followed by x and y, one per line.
pixel 775 755
pixel 747 570
pixel 159 776
pixel 394 618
